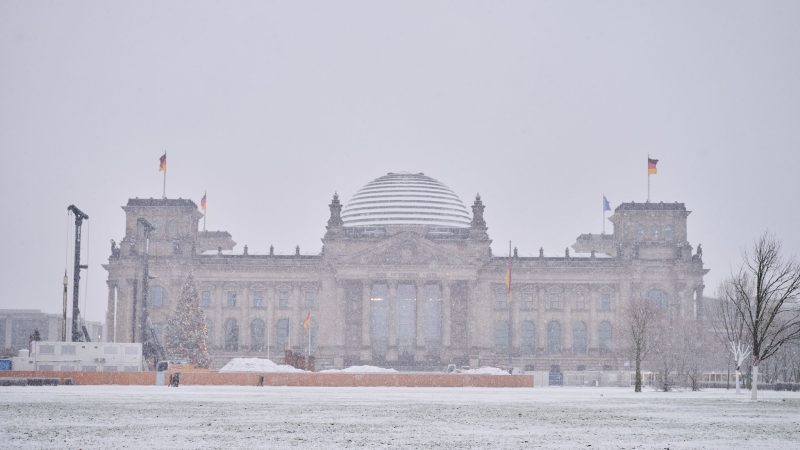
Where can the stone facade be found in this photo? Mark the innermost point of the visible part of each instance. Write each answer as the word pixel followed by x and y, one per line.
pixel 409 295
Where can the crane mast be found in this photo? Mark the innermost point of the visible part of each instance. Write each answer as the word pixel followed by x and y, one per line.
pixel 80 216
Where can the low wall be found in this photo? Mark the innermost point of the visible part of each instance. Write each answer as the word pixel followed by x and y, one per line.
pixel 293 379
pixel 143 378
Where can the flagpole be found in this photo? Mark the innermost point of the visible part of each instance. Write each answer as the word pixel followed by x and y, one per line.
pixel 648 178
pixel 205 212
pixel 308 352
pixel 164 191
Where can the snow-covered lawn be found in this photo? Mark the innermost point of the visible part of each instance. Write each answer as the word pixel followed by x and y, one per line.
pixel 277 417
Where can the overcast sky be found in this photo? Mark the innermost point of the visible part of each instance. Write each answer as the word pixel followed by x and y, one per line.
pixel 272 106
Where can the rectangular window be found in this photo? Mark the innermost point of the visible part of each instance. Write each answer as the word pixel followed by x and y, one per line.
pixel 283 298
pixel 605 301
pixel 258 299
pixel 310 298
pixel 205 299
pixel 67 349
pixel 46 349
pixel 132 350
pixel 231 299
pixel 500 298
pixel 110 350
pixel 580 302
pixel 526 302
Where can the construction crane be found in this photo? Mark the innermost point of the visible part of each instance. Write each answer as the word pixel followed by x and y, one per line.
pixel 80 216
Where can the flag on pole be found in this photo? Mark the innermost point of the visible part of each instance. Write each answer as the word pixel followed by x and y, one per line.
pixel 203 202
pixel 651 166
pixel 606 204
pixel 307 321
pixel 162 166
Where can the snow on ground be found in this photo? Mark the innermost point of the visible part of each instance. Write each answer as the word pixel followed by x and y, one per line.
pixel 256 365
pixel 361 369
pixel 279 417
pixel 486 370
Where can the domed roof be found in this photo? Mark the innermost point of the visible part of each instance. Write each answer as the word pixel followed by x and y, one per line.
pixel 403 198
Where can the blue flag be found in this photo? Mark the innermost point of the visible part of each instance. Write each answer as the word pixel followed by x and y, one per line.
pixel 606 205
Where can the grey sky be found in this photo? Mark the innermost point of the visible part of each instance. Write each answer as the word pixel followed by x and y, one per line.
pixel 272 106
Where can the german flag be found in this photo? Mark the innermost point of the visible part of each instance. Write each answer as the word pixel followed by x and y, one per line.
pixel 651 166
pixel 307 322
pixel 203 202
pixel 162 166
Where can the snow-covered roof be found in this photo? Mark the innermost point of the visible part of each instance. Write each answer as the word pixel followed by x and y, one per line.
pixel 403 198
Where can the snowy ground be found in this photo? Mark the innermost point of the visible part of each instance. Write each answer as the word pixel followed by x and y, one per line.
pixel 277 417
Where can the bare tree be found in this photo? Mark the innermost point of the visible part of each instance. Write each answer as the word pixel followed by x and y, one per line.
pixel 729 326
pixel 640 316
pixel 765 293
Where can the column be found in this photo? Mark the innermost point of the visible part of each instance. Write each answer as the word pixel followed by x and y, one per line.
pixel 446 307
pixel 392 352
pixel 366 345
pixel 111 313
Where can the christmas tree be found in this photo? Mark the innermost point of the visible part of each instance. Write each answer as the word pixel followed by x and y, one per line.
pixel 186 335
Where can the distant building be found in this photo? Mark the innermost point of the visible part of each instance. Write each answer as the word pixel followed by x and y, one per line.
pixel 17 325
pixel 406 278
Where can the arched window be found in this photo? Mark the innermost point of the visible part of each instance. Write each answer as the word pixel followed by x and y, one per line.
pixel 257 335
pixel 157 296
pixel 528 337
pixel 210 330
pixel 604 335
pixel 282 334
pixel 553 337
pixel 231 335
pixel 669 234
pixel 579 337
pixel 501 336
pixel 657 298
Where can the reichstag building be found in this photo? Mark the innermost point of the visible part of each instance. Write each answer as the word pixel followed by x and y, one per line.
pixel 406 278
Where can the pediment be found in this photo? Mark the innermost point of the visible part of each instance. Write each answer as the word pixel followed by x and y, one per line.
pixel 406 249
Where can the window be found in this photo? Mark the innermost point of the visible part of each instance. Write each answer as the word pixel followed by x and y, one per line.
pixel 231 335
pixel 310 297
pixel 205 299
pixel 157 296
pixel 67 349
pixel 258 299
pixel 579 338
pixel 657 298
pixel 231 303
pixel 379 320
pixel 526 300
pixel 282 331
pixel 580 300
pixel 554 300
pixel 669 234
pixel 605 300
pixel 500 297
pixel 554 337
pixel 528 337
pixel 604 335
pixel 210 330
pixel 432 318
pixel 406 320
pixel 501 336
pixel 110 350
pixel 283 298
pixel 257 335
pixel 46 349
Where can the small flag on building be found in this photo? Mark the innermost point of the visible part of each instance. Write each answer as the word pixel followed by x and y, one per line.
pixel 162 166
pixel 203 202
pixel 606 204
pixel 651 166
pixel 307 321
